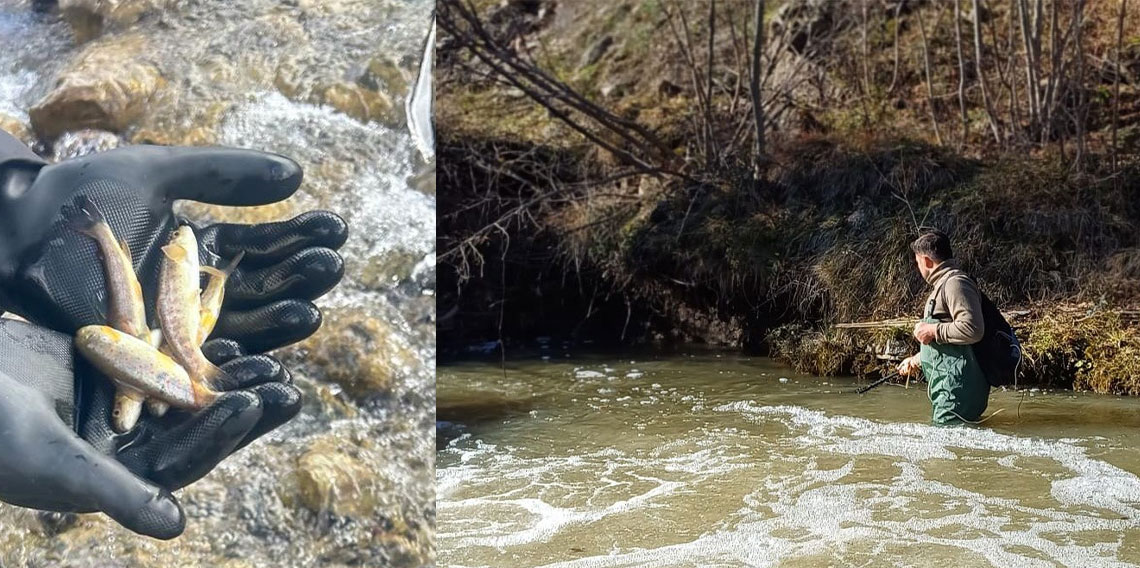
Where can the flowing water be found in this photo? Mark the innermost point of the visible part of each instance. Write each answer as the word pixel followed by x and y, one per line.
pixel 720 460
pixel 223 63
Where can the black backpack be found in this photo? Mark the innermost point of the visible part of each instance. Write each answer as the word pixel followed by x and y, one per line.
pixel 999 352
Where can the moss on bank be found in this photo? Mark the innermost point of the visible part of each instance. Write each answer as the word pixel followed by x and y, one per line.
pixel 1069 349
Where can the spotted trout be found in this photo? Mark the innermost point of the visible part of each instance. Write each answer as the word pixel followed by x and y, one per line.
pixel 136 363
pixel 179 308
pixel 212 297
pixel 126 310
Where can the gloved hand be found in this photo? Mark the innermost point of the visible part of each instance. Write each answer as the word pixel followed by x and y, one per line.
pixel 53 276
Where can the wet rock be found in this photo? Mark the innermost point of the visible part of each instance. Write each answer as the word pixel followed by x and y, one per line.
pixel 326 400
pixel 357 351
pixel 332 478
pixel 83 142
pixel 107 88
pixel 386 76
pixel 363 104
pixel 389 269
pixel 181 126
pixel 89 18
pixel 15 127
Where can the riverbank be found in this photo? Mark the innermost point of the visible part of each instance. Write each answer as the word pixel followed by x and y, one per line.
pixel 544 231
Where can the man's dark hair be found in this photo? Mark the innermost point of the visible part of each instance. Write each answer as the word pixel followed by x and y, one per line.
pixel 933 243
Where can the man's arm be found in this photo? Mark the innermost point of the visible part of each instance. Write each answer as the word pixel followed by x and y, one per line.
pixel 965 306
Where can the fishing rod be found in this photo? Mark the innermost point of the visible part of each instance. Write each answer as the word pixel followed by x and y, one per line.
pixel 862 390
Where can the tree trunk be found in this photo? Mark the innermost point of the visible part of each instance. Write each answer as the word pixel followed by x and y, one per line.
pixel 1080 116
pixel 961 72
pixel 757 107
pixel 895 71
pixel 710 142
pixel 929 83
pixel 981 74
pixel 1116 80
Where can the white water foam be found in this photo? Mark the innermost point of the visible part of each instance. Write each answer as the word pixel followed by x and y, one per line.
pixel 31 44
pixel 803 509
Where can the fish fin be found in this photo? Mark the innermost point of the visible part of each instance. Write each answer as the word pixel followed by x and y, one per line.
pixel 156 337
pixel 126 251
pixel 174 252
pixel 214 376
pixel 83 216
pixel 101 310
pixel 156 408
pixel 215 272
pixel 225 271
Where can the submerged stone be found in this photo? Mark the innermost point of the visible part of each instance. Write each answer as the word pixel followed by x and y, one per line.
pixel 107 88
pixel 357 351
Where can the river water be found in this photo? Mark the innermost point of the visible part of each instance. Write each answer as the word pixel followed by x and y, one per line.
pixel 225 60
pixel 712 459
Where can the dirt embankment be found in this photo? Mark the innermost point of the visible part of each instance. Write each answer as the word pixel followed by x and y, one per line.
pixel 544 234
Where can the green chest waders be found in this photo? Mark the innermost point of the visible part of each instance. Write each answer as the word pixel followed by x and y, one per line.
pixel 957 388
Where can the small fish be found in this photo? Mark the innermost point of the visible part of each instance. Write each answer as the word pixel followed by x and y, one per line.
pixel 125 298
pixel 136 364
pixel 179 307
pixel 156 407
pixel 213 295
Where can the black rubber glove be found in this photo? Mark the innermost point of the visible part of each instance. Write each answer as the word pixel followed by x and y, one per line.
pixel 53 275
pixel 45 465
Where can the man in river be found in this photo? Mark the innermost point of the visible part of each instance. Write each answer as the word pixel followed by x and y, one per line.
pixel 952 323
pixel 58 451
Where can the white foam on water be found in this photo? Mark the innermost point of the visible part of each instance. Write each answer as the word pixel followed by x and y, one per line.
pixel 13 87
pixel 31 43
pixel 533 493
pixel 386 216
pixel 803 509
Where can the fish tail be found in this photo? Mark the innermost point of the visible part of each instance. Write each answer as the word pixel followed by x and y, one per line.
pixel 84 216
pixel 224 272
pixel 212 375
pixel 203 395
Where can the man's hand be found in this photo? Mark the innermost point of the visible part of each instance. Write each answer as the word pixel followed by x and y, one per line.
pixel 925 332
pixel 910 365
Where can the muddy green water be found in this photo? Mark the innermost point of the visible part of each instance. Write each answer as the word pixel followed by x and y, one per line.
pixel 720 460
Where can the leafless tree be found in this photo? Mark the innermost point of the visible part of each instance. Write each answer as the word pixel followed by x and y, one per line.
pixel 1116 80
pixel 979 64
pixel 929 81
pixel 961 72
pixel 754 83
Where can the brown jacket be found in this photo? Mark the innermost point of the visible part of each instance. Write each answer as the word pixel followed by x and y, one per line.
pixel 957 303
